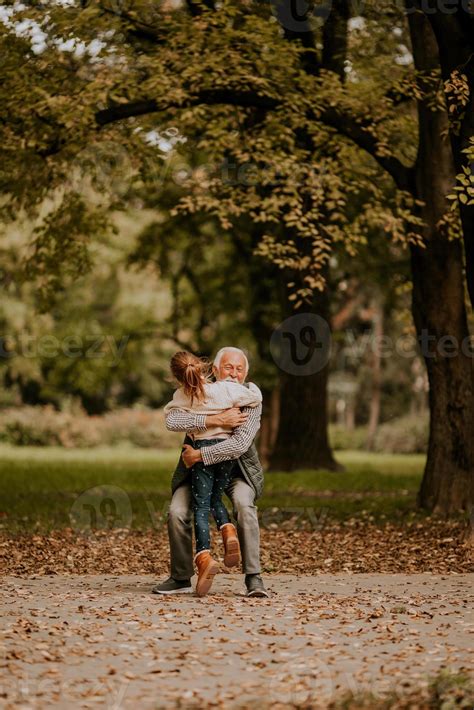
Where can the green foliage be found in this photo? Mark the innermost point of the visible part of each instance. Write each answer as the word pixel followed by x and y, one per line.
pixel 272 117
pixel 456 90
pixel 156 284
pixel 464 189
pixel 344 439
pixel 405 435
pixel 451 689
pixel 446 691
pixel 44 426
pixel 60 247
pixel 104 344
pixel 220 294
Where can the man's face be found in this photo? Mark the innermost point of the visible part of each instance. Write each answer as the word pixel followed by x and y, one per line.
pixel 231 367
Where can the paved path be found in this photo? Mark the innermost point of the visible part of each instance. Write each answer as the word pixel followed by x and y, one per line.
pixel 106 641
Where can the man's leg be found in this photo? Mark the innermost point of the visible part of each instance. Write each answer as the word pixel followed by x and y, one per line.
pixel 180 533
pixel 181 544
pixel 245 511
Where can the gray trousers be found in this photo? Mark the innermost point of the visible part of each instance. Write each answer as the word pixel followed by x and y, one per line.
pixel 180 528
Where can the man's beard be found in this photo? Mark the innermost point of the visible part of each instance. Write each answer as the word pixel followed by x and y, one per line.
pixel 231 379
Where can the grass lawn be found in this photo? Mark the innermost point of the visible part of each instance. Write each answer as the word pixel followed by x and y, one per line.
pixel 39 486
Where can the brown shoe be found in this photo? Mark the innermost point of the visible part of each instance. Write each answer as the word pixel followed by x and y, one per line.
pixel 206 568
pixel 231 545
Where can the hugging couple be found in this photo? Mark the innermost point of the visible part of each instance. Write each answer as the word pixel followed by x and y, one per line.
pixel 221 420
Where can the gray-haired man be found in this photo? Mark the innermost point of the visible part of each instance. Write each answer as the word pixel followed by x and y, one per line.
pixel 246 485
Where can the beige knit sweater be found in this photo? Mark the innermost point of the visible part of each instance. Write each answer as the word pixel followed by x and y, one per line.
pixel 218 396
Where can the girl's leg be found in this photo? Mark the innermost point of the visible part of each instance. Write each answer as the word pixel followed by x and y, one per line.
pixel 222 476
pixel 229 534
pixel 201 490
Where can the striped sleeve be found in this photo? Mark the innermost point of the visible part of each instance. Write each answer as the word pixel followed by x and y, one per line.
pixel 179 420
pixel 238 443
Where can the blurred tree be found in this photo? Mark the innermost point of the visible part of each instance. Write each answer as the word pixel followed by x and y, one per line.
pixel 105 345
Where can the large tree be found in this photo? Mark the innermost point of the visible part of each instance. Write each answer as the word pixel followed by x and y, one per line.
pixel 253 91
pixel 439 308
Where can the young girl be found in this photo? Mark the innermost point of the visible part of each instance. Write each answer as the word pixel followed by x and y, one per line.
pixel 198 394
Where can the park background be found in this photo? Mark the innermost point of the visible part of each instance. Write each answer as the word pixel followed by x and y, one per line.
pixel 188 175
pixel 180 175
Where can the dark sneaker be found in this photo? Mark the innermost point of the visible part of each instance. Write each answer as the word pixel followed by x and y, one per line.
pixel 255 586
pixel 173 586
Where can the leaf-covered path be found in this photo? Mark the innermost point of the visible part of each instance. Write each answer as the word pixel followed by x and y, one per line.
pixel 107 641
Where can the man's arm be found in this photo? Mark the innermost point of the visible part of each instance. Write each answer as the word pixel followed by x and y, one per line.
pixel 179 420
pixel 238 443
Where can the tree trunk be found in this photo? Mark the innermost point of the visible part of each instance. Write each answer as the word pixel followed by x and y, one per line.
pixel 298 436
pixel 439 309
pixel 302 440
pixel 350 421
pixel 455 38
pixel 269 425
pixel 335 38
pixel 375 400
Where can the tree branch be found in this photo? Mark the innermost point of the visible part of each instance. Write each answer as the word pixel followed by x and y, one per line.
pixel 197 7
pixel 209 97
pixel 346 124
pixel 335 38
pixel 284 10
pixel 343 122
pixel 455 37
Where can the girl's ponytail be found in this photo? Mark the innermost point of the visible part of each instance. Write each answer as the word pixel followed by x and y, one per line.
pixel 191 372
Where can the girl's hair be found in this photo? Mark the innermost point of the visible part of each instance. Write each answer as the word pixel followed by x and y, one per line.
pixel 191 372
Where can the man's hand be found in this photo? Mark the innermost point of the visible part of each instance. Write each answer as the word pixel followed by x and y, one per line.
pixel 190 456
pixel 232 417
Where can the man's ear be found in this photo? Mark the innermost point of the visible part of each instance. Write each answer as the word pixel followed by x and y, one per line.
pixel 215 371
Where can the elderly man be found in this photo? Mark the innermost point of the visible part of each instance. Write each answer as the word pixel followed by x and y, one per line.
pixel 246 485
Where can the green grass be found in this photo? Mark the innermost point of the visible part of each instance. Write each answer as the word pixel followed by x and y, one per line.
pixel 39 486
